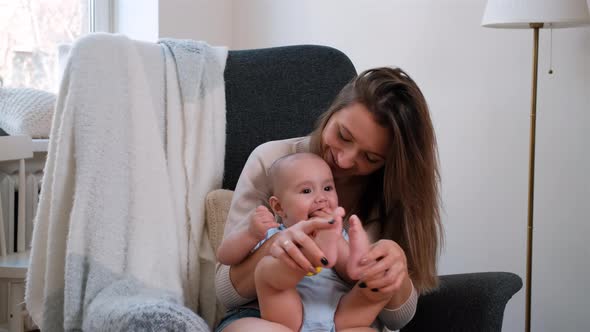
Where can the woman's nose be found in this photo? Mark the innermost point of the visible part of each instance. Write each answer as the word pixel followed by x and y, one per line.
pixel 345 159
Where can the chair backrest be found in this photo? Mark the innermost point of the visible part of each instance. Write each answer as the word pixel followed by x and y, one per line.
pixel 277 93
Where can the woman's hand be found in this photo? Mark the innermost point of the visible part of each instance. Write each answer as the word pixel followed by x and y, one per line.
pixel 386 275
pixel 296 247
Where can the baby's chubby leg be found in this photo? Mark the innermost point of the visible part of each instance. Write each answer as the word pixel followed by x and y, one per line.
pixel 356 309
pixel 359 246
pixel 278 298
pixel 327 239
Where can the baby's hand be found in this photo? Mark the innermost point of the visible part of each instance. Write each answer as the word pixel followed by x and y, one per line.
pixel 260 222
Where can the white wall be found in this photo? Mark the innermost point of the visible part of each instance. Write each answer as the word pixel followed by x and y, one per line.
pixel 149 20
pixel 208 20
pixel 477 81
pixel 137 19
pixel 478 84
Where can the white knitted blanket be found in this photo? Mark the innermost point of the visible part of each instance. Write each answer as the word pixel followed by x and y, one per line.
pixel 134 149
pixel 25 111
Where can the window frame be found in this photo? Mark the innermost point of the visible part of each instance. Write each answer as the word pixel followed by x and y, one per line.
pixel 101 15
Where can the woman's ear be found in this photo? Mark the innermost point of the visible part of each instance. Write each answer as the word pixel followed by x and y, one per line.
pixel 276 207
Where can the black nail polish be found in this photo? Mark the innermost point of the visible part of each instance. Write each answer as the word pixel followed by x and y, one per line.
pixel 331 221
pixel 362 285
pixel 374 290
pixel 324 260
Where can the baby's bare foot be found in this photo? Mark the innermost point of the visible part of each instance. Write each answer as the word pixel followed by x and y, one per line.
pixel 327 239
pixel 359 246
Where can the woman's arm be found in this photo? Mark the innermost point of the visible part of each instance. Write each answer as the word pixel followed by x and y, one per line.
pixel 388 274
pixel 402 296
pixel 396 315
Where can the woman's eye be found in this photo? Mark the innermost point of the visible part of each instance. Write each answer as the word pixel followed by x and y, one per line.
pixel 342 136
pixel 328 188
pixel 372 161
pixel 306 191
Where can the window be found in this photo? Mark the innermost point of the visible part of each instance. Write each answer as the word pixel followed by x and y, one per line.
pixel 31 30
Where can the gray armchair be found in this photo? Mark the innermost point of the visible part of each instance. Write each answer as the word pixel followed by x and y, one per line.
pixel 278 93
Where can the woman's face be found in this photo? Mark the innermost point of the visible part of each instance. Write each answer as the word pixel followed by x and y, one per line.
pixel 354 143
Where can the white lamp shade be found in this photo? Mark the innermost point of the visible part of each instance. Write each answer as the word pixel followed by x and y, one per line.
pixel 517 14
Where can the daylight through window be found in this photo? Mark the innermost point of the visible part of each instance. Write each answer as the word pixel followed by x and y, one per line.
pixel 30 31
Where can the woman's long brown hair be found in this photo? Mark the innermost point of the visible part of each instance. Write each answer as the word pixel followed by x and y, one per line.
pixel 405 192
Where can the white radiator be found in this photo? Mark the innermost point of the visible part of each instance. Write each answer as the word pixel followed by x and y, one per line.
pixel 9 233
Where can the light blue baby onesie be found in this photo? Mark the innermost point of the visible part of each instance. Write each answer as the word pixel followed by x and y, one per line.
pixel 320 294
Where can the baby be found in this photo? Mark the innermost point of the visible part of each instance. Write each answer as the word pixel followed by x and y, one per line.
pixel 303 188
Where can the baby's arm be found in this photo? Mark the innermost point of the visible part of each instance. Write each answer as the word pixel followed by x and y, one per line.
pixel 236 246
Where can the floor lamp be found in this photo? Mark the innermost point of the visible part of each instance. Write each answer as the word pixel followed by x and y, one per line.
pixel 535 15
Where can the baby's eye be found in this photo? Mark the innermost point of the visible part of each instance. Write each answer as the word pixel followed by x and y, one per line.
pixel 328 188
pixel 306 191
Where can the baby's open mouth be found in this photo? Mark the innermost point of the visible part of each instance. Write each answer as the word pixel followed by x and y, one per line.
pixel 318 212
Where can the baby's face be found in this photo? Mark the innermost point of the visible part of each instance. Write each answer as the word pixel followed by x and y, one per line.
pixel 306 187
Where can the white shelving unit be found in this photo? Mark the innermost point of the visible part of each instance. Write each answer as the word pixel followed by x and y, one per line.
pixel 13 271
pixel 40 145
pixel 13 267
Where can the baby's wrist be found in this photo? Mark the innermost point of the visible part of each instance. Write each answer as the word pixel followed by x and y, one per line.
pixel 254 237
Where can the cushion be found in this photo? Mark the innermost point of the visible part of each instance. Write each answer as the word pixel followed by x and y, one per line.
pixel 217 205
pixel 25 111
pixel 277 93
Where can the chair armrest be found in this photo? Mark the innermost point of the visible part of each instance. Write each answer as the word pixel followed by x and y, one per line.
pixel 466 302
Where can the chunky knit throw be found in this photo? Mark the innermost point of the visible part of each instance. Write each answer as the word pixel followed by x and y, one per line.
pixel 25 111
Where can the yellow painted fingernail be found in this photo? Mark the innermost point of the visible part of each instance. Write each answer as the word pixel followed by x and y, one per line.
pixel 317 270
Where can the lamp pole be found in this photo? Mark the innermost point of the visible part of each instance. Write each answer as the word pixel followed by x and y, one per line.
pixel 529 257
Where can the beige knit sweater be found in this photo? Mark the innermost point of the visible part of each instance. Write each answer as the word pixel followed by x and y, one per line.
pixel 252 190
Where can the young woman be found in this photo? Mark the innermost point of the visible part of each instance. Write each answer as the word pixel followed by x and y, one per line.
pixel 378 139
